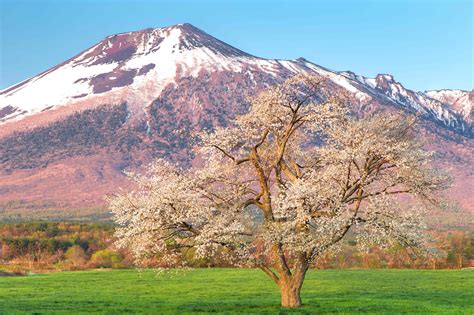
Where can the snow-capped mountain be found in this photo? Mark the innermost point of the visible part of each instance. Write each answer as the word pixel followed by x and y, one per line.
pixel 147 61
pixel 68 133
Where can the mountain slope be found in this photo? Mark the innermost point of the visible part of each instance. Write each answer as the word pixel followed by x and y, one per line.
pixel 67 134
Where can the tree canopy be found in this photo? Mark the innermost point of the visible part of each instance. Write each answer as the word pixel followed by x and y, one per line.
pixel 284 183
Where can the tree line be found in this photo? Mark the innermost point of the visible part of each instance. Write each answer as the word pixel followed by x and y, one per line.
pixel 47 246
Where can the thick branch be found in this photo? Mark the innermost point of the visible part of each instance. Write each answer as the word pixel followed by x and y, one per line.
pixel 282 265
pixel 265 205
pixel 270 273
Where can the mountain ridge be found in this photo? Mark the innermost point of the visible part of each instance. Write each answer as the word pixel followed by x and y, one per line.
pixel 119 60
pixel 67 134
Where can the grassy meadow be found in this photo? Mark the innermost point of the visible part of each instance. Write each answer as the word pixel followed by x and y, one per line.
pixel 245 291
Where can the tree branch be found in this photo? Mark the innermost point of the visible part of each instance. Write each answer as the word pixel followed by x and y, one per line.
pixel 236 161
pixel 270 273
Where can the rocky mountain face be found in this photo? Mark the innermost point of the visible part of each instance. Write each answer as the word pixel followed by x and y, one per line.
pixel 67 134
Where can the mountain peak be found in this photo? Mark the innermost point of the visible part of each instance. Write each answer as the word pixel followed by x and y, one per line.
pixel 385 77
pixel 185 27
pixel 193 37
pixel 183 37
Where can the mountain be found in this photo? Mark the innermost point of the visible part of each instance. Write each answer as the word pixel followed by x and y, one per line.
pixel 67 134
pixel 459 101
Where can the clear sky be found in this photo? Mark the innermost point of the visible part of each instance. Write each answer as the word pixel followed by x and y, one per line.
pixel 424 44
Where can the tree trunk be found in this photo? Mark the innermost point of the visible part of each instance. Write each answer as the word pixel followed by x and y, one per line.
pixel 290 287
pixel 290 294
pixel 289 281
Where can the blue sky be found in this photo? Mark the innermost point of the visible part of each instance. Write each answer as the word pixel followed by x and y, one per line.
pixel 424 44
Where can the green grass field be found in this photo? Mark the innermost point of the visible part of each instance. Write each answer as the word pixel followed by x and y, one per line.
pixel 238 291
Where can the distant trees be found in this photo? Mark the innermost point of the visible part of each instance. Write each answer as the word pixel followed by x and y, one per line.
pixel 460 248
pixel 64 246
pixel 43 246
pixel 283 186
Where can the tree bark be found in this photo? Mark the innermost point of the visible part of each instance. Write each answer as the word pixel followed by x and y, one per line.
pixel 290 287
pixel 290 293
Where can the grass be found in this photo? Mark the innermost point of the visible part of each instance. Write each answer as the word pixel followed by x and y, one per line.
pixel 239 291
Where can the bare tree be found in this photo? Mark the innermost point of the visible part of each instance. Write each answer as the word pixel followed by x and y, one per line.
pixel 284 184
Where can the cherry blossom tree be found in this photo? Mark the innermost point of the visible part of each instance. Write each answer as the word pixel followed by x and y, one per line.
pixel 283 184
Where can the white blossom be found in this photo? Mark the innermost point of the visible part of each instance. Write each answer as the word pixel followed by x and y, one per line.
pixel 284 184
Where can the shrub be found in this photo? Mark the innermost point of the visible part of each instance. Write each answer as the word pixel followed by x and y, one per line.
pixel 106 258
pixel 76 256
